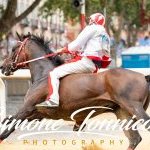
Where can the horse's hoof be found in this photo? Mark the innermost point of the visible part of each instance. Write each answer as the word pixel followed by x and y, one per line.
pixel 76 128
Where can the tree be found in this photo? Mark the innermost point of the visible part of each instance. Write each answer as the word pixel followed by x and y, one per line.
pixel 127 11
pixel 49 8
pixel 8 17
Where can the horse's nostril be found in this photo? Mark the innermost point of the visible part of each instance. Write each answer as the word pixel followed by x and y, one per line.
pixel 1 67
pixel 6 73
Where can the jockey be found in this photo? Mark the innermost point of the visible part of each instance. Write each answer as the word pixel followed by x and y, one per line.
pixel 94 43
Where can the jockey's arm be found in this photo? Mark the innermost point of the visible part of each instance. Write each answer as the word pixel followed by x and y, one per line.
pixel 81 40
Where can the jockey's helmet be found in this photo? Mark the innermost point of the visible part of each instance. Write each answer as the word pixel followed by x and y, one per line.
pixel 97 18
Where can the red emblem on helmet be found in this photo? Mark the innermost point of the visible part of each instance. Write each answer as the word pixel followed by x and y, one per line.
pixel 97 18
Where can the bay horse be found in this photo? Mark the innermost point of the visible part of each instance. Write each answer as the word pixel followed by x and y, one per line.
pixel 125 91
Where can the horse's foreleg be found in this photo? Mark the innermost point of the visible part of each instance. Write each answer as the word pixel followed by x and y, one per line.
pixel 22 114
pixel 34 96
pixel 77 125
pixel 133 136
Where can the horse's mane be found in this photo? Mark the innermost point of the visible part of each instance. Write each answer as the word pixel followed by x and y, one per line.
pixel 40 40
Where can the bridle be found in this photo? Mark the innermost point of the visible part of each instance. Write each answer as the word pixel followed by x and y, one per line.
pixel 15 65
pixel 21 48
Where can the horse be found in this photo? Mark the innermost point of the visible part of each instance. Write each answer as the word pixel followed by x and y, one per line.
pixel 124 91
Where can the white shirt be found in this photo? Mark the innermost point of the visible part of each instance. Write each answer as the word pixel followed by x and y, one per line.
pixel 91 41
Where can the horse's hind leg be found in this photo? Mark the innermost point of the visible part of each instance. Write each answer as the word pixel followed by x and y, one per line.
pixel 133 136
pixel 136 108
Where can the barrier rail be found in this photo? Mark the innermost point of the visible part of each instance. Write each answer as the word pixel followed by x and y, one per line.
pixel 20 74
pixel 25 74
pixel 2 100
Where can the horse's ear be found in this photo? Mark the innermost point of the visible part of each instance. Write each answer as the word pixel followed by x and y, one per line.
pixel 19 36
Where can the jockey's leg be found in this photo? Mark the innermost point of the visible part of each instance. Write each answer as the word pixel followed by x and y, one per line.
pixel 84 65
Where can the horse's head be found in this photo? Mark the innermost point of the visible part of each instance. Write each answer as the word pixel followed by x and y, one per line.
pixel 18 54
pixel 27 48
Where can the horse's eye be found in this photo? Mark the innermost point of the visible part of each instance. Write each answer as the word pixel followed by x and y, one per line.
pixel 15 47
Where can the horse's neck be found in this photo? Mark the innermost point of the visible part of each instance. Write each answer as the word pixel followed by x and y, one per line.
pixel 40 69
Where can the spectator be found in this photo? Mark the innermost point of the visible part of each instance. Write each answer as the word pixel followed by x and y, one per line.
pixel 144 41
pixel 6 45
pixel 147 40
pixel 3 48
pixel 120 47
pixel 11 41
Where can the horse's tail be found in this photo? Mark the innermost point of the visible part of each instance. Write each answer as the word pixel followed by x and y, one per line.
pixel 148 98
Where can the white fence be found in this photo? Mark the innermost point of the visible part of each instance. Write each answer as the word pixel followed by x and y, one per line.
pixel 2 100
pixel 25 74
pixel 20 74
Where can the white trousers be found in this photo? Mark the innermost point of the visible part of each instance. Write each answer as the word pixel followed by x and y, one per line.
pixel 85 65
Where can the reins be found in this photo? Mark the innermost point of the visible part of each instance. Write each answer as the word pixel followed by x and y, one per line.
pixel 22 47
pixel 39 58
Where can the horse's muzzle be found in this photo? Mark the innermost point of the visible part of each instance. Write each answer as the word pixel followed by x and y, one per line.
pixel 7 70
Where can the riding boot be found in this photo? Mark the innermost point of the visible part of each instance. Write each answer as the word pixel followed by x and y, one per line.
pixel 51 103
pixel 48 103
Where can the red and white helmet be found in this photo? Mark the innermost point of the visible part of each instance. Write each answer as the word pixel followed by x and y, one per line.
pixel 97 18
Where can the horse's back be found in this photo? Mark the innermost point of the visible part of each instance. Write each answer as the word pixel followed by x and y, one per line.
pixel 116 73
pixel 93 84
pixel 114 85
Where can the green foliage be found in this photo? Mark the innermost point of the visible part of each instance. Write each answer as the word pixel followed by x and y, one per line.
pixel 66 5
pixel 128 12
pixel 148 9
pixel 130 9
pixel 1 10
pixel 93 6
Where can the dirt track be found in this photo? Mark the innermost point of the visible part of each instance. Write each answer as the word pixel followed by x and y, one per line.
pixel 73 141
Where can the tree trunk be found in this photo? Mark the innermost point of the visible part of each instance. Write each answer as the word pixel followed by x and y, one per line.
pixel 9 19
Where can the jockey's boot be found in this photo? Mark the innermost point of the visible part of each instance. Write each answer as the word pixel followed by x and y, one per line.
pixel 52 103
pixel 49 103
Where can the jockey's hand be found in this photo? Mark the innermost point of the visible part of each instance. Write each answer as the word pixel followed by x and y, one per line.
pixel 63 50
pixel 76 53
pixel 59 50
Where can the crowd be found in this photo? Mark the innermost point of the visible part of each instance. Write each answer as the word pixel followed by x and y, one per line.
pixel 6 45
pixel 143 39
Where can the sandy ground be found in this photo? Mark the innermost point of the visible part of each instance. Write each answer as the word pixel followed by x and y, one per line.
pixel 107 140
